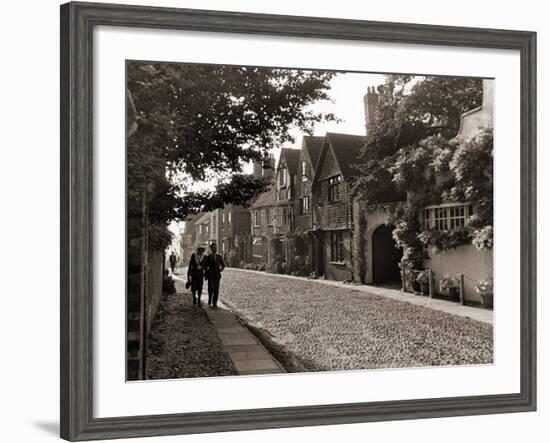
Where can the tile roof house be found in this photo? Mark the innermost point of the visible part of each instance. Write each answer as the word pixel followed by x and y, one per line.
pixel 234 236
pixel 272 212
pixel 307 161
pixel 332 204
pixel 206 229
pixel 303 251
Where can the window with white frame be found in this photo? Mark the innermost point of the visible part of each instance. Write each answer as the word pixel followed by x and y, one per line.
pixel 445 217
pixel 440 219
pixel 337 247
pixel 426 219
pixel 256 218
pixel 229 218
pixel 304 205
pixel 334 189
pixel 282 177
pixel 305 171
pixel 257 247
pixel 457 217
pixel 284 216
pixel 263 217
pixel 277 216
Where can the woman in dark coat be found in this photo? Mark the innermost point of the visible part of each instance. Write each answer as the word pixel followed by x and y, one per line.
pixel 195 274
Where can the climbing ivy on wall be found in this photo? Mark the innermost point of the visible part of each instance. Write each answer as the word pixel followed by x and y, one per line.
pixel 413 159
pixel 439 170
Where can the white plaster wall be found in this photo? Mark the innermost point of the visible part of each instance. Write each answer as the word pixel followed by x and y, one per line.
pixel 480 117
pixel 475 265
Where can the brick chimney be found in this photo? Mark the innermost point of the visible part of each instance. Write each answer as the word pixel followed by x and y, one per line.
pixel 269 169
pixel 370 101
pixel 257 169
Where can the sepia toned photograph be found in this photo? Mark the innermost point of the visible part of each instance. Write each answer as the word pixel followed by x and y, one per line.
pixel 283 220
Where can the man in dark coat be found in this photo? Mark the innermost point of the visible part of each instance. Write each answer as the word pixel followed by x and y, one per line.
pixel 214 266
pixel 173 261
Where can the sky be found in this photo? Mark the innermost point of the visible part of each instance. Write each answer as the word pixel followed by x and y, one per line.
pixel 346 91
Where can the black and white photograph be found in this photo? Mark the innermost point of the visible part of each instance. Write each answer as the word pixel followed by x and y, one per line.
pixel 265 222
pixel 284 220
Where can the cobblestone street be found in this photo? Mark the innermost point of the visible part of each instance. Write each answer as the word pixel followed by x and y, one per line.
pixel 319 327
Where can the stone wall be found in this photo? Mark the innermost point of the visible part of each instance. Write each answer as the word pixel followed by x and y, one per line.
pixel 155 269
pixel 135 287
pixel 143 288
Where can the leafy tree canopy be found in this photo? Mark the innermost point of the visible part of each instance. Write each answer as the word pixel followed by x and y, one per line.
pixel 206 121
pixel 410 110
pixel 412 156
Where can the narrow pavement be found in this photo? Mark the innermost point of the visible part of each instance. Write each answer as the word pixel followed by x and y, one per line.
pixel 248 355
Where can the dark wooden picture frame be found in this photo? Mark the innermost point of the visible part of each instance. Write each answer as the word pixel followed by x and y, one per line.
pixel 77 23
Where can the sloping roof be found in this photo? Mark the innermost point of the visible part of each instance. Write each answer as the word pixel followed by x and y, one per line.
pixel 346 149
pixel 264 199
pixel 313 145
pixel 291 157
pixel 202 219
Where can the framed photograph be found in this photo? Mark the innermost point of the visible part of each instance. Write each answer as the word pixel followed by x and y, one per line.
pixel 275 221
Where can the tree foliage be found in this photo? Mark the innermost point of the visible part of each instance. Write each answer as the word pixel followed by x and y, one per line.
pixel 204 122
pixel 412 156
pixel 409 111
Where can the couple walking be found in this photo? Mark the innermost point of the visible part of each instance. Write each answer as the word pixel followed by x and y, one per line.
pixel 205 267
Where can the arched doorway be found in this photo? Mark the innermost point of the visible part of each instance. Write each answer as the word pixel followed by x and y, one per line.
pixel 385 256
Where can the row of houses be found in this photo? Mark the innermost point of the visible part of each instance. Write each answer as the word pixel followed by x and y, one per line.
pixel 308 222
